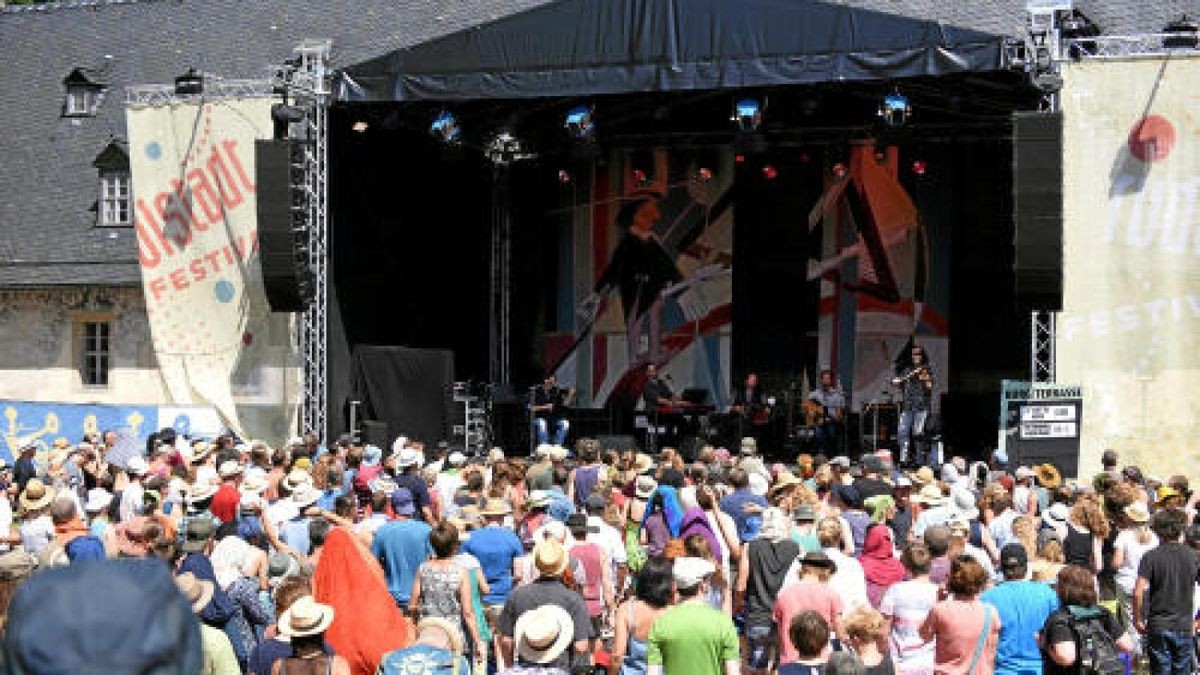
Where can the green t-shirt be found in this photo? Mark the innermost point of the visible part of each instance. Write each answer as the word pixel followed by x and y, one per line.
pixel 692 639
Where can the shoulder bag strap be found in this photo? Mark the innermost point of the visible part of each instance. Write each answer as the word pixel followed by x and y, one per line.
pixel 987 626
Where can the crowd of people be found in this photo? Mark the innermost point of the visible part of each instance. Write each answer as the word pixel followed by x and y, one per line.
pixel 229 558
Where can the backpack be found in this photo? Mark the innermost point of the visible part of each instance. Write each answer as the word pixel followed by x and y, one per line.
pixel 1097 651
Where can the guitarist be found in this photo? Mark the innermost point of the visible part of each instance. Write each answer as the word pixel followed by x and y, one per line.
pixel 832 400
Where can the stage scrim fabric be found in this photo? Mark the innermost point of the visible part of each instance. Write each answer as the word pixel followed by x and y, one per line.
pixel 1130 327
pixel 215 340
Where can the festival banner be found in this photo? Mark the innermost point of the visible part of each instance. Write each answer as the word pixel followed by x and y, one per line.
pixel 1129 331
pixel 215 339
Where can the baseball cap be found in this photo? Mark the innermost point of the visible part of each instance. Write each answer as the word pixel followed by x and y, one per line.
pixel 1013 555
pixel 402 502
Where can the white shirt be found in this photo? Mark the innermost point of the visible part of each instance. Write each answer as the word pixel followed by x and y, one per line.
pixel 131 501
pixel 36 534
pixel 446 485
pixel 1126 575
pixel 282 511
pixel 849 581
pixel 608 539
pixel 6 520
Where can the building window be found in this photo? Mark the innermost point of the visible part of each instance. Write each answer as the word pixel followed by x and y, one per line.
pixel 81 101
pixel 96 355
pixel 114 198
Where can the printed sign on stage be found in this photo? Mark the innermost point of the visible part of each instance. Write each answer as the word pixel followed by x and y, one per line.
pixel 1131 237
pixel 215 340
pixel 41 424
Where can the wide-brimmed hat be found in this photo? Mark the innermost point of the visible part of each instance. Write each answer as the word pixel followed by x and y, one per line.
pixel 931 495
pixel 197 591
pixel 579 526
pixel 550 557
pixel 453 634
pixel 543 634
pixel 537 499
pixel 37 495
pixel 1024 472
pixel 296 478
pixel 642 463
pixel 407 457
pixel 456 458
pixel 136 466
pixel 923 476
pixel 644 487
pixel 804 513
pixel 98 499
pixel 305 617
pixel 749 445
pixel 784 480
pixel 198 492
pixel 556 453
pixel 200 451
pixel 305 495
pixel 495 507
pixel 819 559
pixel 199 531
pixel 1164 493
pixel 229 468
pixel 1048 476
pixel 964 504
pixel 399 444
pixel 254 482
pixel 1137 512
pixel 281 565
pixel 1057 513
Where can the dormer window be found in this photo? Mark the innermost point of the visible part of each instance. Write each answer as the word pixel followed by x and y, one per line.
pixel 114 207
pixel 83 89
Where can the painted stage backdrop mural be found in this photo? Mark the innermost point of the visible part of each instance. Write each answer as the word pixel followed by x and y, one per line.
pixel 645 276
pixel 881 284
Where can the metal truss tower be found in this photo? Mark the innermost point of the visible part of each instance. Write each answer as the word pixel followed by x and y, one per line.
pixel 306 79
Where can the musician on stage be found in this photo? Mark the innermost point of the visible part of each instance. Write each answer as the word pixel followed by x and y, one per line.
pixel 548 404
pixel 831 412
pixel 655 393
pixel 915 380
pixel 749 397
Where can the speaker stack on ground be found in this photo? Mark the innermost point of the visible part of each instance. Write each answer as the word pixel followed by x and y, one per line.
pixel 283 224
pixel 1038 209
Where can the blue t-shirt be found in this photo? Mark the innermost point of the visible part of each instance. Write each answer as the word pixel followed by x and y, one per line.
pixel 747 523
pixel 419 489
pixel 495 548
pixel 294 533
pixel 1023 607
pixel 401 546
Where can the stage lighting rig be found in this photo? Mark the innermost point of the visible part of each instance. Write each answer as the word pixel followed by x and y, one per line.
pixel 748 114
pixel 283 116
pixel 579 123
pixel 1184 33
pixel 895 109
pixel 1075 25
pixel 504 148
pixel 445 128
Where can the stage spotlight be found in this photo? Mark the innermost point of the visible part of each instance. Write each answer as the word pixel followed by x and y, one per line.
pixel 895 110
pixel 579 122
pixel 739 158
pixel 359 126
pixel 445 127
pixel 770 172
pixel 283 116
pixel 840 169
pixel 748 114
pixel 190 83
pixel 1184 34
pixel 704 174
pixel 564 176
pixel 919 167
pixel 639 177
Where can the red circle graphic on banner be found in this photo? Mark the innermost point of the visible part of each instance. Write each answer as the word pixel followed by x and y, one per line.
pixel 1152 138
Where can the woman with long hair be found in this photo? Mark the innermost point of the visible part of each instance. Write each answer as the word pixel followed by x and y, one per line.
pixel 653 595
pixel 1133 541
pixel 1076 588
pixel 1086 530
pixel 720 596
pixel 966 630
pixel 368 624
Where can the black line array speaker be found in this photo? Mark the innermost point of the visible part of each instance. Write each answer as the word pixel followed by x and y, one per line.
pixel 1038 209
pixel 375 432
pixel 283 224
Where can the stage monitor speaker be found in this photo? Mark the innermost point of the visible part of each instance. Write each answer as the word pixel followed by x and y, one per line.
pixel 375 432
pixel 1038 209
pixel 283 225
pixel 618 443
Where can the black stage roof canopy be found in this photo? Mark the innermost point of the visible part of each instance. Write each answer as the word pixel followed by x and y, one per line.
pixel 590 47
